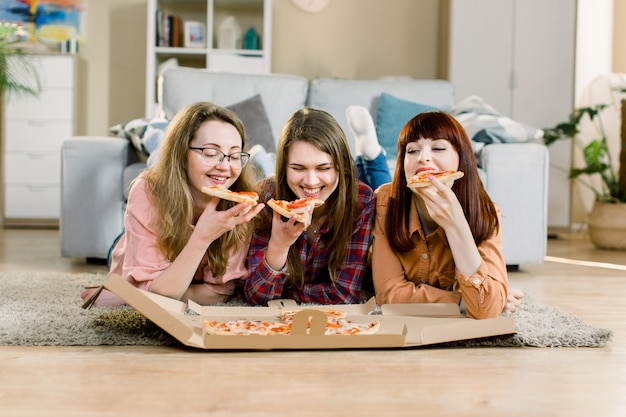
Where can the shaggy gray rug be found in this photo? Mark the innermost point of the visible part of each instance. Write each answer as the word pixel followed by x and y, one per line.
pixel 45 309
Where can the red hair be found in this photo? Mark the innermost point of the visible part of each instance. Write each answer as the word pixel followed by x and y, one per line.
pixel 480 211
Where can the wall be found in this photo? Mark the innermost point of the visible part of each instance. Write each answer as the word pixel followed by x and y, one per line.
pixel 601 47
pixel 619 36
pixel 112 65
pixel 349 39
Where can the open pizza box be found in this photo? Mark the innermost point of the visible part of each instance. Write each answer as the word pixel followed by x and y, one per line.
pixel 401 325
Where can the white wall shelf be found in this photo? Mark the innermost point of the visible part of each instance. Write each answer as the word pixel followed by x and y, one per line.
pixel 211 13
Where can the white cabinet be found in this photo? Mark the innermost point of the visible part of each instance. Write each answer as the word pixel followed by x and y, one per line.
pixel 204 52
pixel 519 56
pixel 33 131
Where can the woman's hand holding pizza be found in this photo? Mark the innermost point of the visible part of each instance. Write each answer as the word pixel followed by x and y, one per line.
pixel 284 234
pixel 212 223
pixel 443 206
pixel 444 209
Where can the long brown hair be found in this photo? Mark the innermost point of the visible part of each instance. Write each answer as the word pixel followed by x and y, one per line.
pixel 479 210
pixel 168 186
pixel 321 130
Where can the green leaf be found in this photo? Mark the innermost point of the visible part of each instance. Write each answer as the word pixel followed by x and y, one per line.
pixel 595 153
pixel 21 75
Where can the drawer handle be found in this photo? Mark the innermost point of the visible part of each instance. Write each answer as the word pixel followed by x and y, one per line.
pixel 36 155
pixel 37 123
pixel 37 188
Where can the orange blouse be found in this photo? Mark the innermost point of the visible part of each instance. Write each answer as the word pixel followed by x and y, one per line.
pixel 427 273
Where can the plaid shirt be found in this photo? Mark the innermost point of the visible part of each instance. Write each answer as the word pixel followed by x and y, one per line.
pixel 265 284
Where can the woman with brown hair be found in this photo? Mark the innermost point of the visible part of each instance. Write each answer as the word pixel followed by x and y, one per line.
pixel 326 261
pixel 442 242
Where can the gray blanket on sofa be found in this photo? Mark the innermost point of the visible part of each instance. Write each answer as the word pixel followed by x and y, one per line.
pixel 485 125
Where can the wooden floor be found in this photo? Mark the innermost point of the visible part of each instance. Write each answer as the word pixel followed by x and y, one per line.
pixel 161 381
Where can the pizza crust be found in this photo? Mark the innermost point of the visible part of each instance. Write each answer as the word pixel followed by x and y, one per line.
pixel 421 179
pixel 249 197
pixel 302 213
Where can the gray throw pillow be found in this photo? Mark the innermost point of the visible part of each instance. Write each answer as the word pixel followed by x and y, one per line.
pixel 254 117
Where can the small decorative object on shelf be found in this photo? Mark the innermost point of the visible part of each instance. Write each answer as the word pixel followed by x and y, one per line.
pixel 229 34
pixel 251 39
pixel 195 35
pixel 69 46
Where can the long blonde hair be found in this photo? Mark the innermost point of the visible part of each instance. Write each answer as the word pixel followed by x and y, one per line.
pixel 168 186
pixel 321 130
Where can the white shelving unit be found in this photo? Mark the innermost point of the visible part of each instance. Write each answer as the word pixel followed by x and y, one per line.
pixel 211 13
pixel 33 130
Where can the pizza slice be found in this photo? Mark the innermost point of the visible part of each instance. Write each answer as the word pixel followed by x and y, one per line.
pixel 246 327
pixel 224 193
pixel 301 209
pixel 348 327
pixel 421 178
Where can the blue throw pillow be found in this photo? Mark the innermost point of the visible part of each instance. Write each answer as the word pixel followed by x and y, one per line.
pixel 393 114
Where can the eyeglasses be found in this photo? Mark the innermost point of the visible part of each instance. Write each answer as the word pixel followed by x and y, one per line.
pixel 215 156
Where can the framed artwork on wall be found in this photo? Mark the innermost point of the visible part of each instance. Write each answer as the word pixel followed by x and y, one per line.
pixel 50 20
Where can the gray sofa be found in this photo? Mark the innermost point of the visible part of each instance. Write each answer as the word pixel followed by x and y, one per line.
pixel 96 170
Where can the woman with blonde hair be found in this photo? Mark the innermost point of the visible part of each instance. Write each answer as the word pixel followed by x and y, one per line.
pixel 178 241
pixel 323 262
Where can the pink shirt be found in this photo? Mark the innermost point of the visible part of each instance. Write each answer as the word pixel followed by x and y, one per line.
pixel 137 257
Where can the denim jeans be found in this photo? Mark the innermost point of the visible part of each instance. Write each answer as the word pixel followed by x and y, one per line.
pixel 375 172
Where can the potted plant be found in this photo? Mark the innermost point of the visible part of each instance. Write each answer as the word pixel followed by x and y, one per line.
pixel 607 219
pixel 18 74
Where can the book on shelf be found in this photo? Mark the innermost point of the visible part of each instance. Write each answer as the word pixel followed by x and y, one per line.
pixel 168 29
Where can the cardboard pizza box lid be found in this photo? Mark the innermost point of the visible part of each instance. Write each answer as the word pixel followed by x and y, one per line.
pixel 422 310
pixel 400 325
pixel 449 324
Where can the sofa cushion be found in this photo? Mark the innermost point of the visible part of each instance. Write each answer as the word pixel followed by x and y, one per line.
pixel 281 94
pixel 254 117
pixel 393 114
pixel 335 95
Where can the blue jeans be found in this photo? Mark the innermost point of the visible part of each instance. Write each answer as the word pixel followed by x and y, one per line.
pixel 375 172
pixel 113 247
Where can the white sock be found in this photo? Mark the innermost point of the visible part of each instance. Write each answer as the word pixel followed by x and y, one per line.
pixel 362 126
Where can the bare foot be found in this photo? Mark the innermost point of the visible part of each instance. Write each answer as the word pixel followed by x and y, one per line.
pixel 513 300
pixel 105 299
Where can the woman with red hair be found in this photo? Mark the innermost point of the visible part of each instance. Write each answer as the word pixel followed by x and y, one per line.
pixel 441 242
